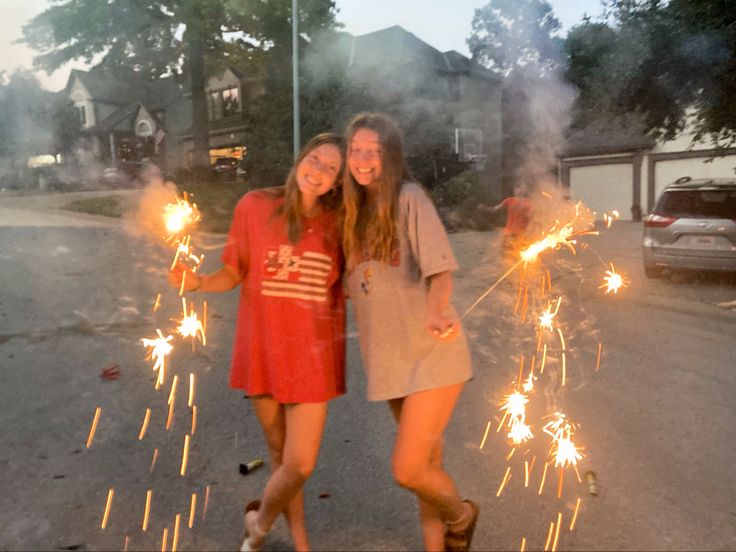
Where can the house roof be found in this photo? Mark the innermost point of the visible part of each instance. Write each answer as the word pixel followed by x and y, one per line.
pixel 396 45
pixel 607 137
pixel 153 96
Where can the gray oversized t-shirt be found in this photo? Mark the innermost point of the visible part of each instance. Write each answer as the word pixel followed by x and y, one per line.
pixel 400 356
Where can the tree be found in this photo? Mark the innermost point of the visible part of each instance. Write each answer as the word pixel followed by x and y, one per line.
pixel 671 63
pixel 518 39
pixel 510 34
pixel 152 38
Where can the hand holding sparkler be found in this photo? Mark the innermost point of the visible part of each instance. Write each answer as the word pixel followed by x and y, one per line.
pixel 441 327
pixel 184 278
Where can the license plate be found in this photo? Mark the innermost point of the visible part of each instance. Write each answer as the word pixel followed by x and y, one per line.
pixel 703 240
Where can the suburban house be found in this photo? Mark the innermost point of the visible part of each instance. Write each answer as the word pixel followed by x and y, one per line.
pixel 126 121
pixel 620 167
pixel 396 68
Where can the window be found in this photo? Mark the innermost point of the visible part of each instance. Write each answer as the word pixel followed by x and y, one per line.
pixel 82 114
pixel 230 103
pixel 143 128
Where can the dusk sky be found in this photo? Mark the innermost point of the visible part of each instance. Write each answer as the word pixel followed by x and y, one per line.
pixel 444 24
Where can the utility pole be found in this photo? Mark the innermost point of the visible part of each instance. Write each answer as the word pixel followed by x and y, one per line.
pixel 295 73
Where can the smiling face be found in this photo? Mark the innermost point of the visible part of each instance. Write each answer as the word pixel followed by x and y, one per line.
pixel 317 173
pixel 365 157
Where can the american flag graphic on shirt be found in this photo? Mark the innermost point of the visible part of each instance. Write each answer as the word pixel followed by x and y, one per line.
pixel 296 276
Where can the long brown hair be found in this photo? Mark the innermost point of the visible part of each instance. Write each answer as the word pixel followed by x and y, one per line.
pixel 291 209
pixel 369 224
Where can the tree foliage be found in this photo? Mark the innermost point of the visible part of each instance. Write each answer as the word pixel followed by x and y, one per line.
pixel 159 37
pixel 673 63
pixel 510 34
pixel 25 109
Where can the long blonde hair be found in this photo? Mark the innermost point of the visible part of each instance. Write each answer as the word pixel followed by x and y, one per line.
pixel 369 224
pixel 291 209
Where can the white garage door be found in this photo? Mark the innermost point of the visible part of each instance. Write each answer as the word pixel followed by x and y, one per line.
pixel 604 188
pixel 666 172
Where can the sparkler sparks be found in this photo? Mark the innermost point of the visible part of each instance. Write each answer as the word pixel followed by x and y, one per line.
pixel 180 216
pixel 108 505
pixel 548 315
pixel 185 456
pixel 190 325
pixel 144 426
pixel 613 281
pixel 563 450
pixel 147 510
pixel 93 428
pixel 160 348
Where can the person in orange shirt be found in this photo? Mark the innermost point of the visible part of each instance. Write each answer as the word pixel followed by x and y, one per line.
pixel 518 214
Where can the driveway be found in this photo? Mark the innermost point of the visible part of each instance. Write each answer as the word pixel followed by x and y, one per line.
pixel 655 418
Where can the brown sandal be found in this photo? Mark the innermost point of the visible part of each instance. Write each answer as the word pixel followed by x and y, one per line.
pixel 459 541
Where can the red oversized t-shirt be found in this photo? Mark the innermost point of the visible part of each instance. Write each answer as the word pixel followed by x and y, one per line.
pixel 290 331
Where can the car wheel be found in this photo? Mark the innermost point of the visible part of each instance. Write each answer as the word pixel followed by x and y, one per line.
pixel 652 271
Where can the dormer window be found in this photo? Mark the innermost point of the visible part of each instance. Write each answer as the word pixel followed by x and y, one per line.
pixel 82 111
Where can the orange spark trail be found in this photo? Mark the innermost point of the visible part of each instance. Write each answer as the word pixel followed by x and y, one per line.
pixel 157 303
pixel 144 426
pixel 559 484
pixel 557 531
pixel 575 514
pixel 153 461
pixel 93 428
pixel 108 505
pixel 485 435
pixel 192 509
pixel 506 477
pixel 164 538
pixel 147 510
pixel 549 535
pixel 523 544
pixel 194 418
pixel 206 501
pixel 175 539
pixel 544 476
pixel 191 390
pixel 185 456
pixel 598 357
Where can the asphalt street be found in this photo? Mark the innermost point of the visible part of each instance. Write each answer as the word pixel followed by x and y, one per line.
pixel 656 418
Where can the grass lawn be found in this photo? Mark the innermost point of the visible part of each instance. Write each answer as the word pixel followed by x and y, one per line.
pixel 216 201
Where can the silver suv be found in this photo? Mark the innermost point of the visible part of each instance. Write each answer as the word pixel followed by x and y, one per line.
pixel 692 227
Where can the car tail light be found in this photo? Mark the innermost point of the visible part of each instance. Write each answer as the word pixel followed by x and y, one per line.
pixel 658 221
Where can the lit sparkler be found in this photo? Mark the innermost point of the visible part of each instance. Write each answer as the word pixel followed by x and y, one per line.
pixel 561 235
pixel 180 215
pixel 613 281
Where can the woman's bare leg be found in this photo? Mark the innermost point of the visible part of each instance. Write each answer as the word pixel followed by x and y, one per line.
pixel 273 421
pixel 417 458
pixel 303 425
pixel 433 526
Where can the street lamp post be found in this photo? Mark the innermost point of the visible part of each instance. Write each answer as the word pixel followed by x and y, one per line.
pixel 295 72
